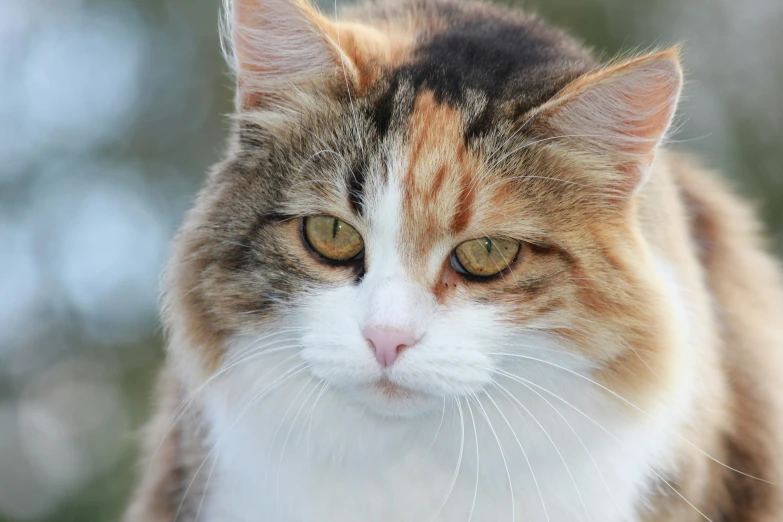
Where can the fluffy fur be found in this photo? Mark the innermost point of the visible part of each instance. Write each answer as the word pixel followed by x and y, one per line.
pixel 626 367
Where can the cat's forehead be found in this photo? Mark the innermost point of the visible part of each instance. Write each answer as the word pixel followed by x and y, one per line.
pixel 437 188
pixel 486 65
pixel 443 182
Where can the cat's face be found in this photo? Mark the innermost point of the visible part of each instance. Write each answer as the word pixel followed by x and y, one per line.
pixel 409 243
pixel 430 303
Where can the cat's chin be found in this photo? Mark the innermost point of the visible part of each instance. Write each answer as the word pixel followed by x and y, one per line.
pixel 387 399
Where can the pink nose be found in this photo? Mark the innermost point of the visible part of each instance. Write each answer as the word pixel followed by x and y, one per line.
pixel 388 343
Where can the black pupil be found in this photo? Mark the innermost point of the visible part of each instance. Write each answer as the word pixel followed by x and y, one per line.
pixel 488 245
pixel 335 227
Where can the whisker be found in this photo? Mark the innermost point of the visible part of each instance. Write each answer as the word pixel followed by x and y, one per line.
pixel 475 438
pixel 259 346
pixel 641 359
pixel 312 415
pixel 562 459
pixel 287 375
pixel 188 401
pixel 437 431
pixel 255 353
pixel 505 463
pixel 283 418
pixel 204 493
pixel 459 458
pixel 590 456
pixel 320 386
pixel 616 439
pixel 288 435
pixel 629 403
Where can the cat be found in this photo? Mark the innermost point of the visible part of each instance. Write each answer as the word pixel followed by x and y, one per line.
pixel 448 272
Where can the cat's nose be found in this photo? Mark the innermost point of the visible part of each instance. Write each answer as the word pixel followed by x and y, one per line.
pixel 388 343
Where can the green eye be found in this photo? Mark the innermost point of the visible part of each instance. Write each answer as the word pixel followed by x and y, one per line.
pixel 333 238
pixel 484 257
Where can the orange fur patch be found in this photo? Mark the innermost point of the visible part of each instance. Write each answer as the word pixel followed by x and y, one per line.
pixel 437 191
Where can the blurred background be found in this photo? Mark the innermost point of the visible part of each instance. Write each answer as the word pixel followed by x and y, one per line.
pixel 111 111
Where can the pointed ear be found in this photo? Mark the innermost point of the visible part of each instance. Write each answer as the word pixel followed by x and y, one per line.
pixel 277 46
pixel 620 113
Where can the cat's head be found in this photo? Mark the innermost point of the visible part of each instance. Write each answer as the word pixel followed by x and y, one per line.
pixel 416 208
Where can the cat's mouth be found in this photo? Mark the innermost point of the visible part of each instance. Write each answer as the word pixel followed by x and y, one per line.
pixel 390 399
pixel 392 390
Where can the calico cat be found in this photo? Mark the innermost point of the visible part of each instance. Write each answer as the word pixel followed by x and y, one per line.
pixel 446 272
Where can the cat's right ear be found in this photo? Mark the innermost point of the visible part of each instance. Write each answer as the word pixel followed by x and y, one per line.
pixel 277 47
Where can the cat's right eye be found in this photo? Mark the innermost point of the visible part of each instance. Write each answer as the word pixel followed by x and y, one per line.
pixel 333 239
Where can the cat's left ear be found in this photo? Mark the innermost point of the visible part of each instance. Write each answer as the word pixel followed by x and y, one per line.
pixel 620 113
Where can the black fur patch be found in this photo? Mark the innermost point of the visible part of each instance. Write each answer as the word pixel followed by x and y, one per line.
pixel 356 180
pixel 514 62
pixel 383 109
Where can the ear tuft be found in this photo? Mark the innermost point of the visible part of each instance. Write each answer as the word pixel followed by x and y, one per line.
pixel 276 46
pixel 621 112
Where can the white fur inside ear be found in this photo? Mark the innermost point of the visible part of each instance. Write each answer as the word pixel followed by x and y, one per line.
pixel 274 45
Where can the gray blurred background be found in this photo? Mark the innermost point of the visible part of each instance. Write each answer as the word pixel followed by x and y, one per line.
pixel 110 113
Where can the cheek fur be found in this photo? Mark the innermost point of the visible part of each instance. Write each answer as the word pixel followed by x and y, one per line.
pixel 332 342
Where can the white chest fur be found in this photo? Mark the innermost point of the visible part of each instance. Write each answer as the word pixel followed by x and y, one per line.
pixel 337 462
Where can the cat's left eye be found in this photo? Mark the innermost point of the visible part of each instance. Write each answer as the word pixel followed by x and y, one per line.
pixel 484 257
pixel 333 238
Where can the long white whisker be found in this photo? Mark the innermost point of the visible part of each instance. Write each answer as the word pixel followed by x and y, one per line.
pixel 283 418
pixel 209 477
pixel 562 459
pixel 288 435
pixel 256 346
pixel 459 459
pixel 629 403
pixel 503 453
pixel 440 424
pixel 475 439
pixel 186 403
pixel 299 368
pixel 320 387
pixel 590 456
pixel 616 439
pixel 312 415
pixel 206 487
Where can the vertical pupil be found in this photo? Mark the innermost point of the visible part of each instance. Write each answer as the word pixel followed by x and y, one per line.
pixel 488 246
pixel 335 227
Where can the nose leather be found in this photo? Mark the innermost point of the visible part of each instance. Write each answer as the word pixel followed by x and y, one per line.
pixel 388 343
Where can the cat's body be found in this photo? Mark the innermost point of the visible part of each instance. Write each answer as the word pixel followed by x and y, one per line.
pixel 625 366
